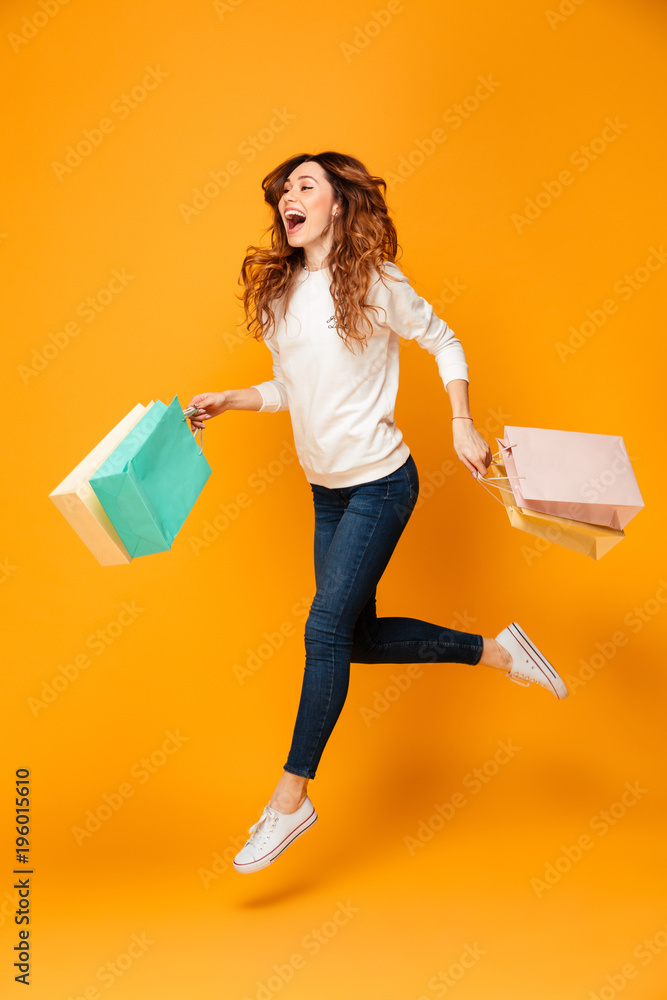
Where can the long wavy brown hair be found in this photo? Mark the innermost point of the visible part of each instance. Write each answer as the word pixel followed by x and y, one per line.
pixel 363 238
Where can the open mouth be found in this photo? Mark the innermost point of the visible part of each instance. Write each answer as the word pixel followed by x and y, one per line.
pixel 294 219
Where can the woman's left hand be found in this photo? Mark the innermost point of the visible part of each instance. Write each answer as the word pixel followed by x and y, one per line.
pixel 471 447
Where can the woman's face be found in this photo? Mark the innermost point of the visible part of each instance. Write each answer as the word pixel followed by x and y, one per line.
pixel 307 205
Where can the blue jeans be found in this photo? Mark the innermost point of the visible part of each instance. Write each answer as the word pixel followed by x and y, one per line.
pixel 356 531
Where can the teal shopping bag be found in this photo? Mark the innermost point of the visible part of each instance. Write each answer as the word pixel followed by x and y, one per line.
pixel 150 482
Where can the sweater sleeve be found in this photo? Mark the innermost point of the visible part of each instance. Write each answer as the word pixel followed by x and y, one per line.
pixel 413 318
pixel 273 392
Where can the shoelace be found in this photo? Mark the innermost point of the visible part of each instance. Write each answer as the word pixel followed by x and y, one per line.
pixel 263 828
pixel 515 677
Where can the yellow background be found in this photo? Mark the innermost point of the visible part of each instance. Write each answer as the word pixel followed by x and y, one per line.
pixel 220 73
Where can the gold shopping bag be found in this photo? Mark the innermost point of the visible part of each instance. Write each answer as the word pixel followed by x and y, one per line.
pixel 592 540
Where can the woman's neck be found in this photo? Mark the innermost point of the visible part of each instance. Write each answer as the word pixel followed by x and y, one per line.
pixel 315 256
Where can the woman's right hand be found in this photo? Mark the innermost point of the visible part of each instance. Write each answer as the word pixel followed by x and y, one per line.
pixel 210 404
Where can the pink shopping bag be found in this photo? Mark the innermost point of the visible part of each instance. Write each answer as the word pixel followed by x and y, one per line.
pixel 586 477
pixel 593 540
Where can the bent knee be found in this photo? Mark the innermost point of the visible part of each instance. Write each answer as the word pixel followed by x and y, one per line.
pixel 326 624
pixel 363 645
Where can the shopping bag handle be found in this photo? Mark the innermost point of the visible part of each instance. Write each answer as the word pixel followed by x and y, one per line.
pixel 201 437
pixel 496 480
pixel 493 480
pixel 486 483
pixel 498 454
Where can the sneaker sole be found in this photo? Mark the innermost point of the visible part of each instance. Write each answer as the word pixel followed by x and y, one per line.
pixel 255 866
pixel 540 661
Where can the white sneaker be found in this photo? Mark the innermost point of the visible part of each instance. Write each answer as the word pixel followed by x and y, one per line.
pixel 272 834
pixel 528 663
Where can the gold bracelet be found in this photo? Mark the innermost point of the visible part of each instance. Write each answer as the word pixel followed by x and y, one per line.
pixel 462 418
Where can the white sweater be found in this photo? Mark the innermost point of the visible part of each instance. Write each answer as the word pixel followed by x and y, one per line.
pixel 342 403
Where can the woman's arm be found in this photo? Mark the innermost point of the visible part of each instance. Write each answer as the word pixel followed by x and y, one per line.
pixel 412 317
pixel 469 445
pixel 212 403
pixel 244 399
pixel 457 391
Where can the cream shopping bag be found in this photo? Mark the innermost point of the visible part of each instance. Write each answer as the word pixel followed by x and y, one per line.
pixel 78 504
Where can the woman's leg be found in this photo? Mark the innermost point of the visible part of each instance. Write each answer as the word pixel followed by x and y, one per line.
pixel 356 531
pixel 410 640
pixel 329 508
pixel 362 543
pixel 374 517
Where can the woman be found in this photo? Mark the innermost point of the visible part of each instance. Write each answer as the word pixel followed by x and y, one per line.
pixel 330 302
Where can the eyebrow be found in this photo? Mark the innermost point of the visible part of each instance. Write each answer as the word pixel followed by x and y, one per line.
pixel 301 178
